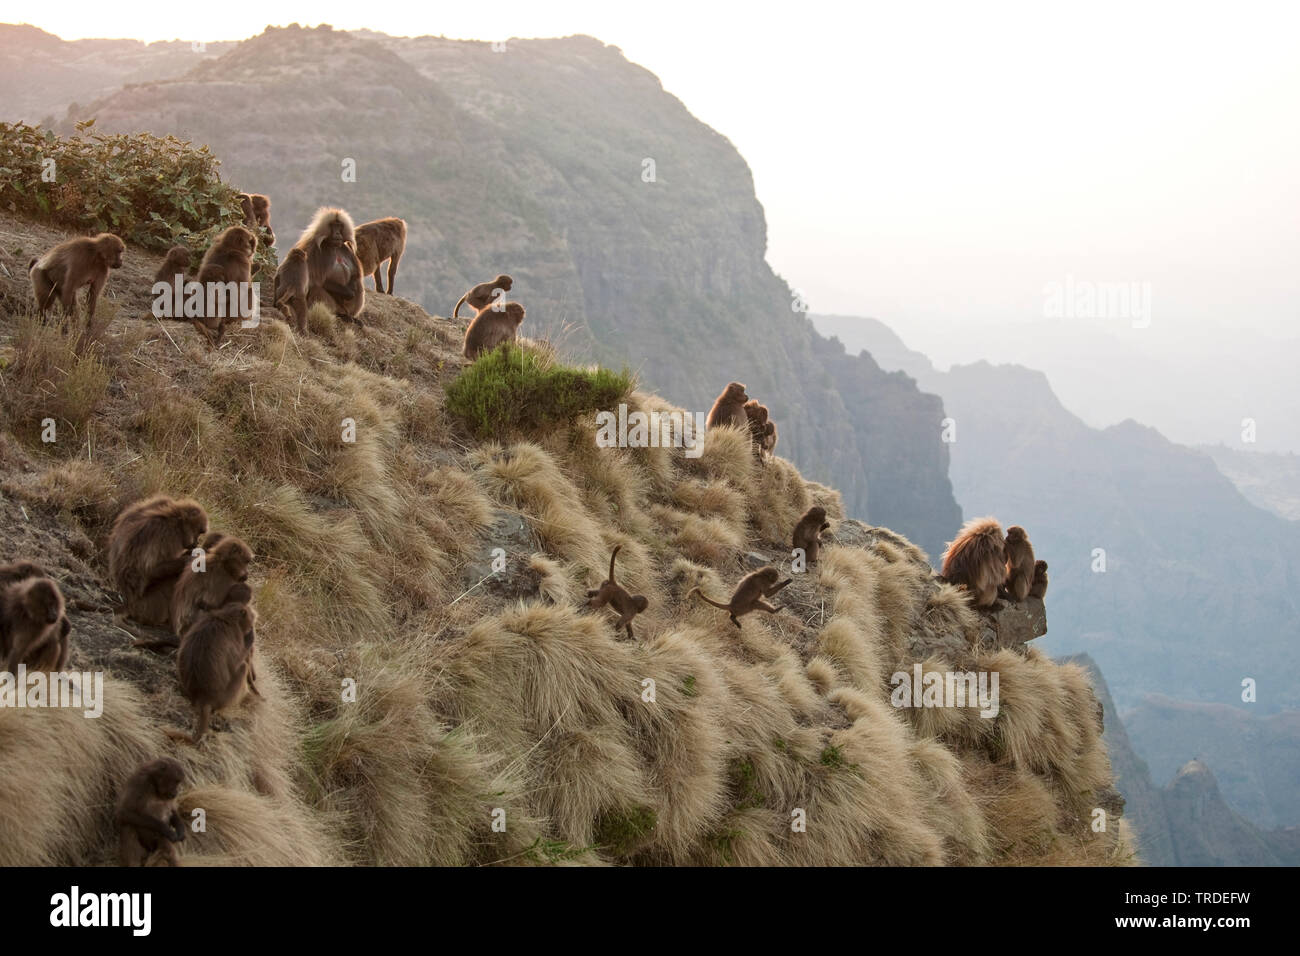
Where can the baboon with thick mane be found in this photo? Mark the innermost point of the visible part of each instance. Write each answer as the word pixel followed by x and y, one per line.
pixel 729 407
pixel 150 544
pixel 333 269
pixel 976 559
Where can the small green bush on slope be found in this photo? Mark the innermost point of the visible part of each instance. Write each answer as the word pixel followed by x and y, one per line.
pixel 512 390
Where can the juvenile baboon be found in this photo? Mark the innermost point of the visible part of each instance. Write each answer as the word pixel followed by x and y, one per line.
pixel 229 260
pixel 215 663
pixel 612 593
pixel 729 408
pixel 262 216
pixel 807 533
pixel 333 269
pixel 148 548
pixel 769 438
pixel 223 580
pixel 148 820
pixel 490 328
pixel 291 281
pixel 377 241
pixel 977 559
pixel 1020 564
pixel 177 262
pixel 33 629
pixel 63 270
pixel 749 594
pixel 1039 588
pixel 484 294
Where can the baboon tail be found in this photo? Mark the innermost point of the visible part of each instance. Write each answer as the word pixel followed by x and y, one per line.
pixel 617 547
pixel 455 313
pixel 707 599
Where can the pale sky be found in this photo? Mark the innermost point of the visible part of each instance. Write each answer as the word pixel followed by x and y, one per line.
pixel 937 164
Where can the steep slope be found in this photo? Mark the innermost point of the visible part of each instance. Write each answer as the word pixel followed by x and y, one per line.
pixel 530 160
pixel 1268 481
pixel 486 698
pixel 1206 832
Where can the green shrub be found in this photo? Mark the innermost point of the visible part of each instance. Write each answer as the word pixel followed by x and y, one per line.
pixel 155 193
pixel 514 389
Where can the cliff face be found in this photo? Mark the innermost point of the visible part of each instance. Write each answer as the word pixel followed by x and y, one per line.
pixel 531 161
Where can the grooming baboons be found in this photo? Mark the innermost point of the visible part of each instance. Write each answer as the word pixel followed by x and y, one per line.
pixel 484 294
pixel 148 820
pixel 33 630
pixel 291 282
pixel 749 594
pixel 977 559
pixel 1039 587
pixel 149 546
pixel 262 215
pixel 333 269
pixel 176 263
pixel 490 328
pixel 229 260
pixel 1020 564
pixel 612 593
pixel 382 239
pixel 807 533
pixel 729 408
pixel 61 272
pixel 215 663
pixel 223 580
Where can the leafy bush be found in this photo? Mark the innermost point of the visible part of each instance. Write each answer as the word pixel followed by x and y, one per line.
pixel 152 192
pixel 514 389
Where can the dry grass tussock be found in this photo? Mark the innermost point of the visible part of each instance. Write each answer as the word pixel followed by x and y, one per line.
pixel 497 721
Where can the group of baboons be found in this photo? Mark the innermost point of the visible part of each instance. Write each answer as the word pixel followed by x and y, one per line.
pixel 327 265
pixel 990 565
pixel 171 574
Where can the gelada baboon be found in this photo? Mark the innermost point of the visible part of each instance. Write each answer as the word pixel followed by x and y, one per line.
pixel 61 272
pixel 333 269
pixel 1020 564
pixel 757 415
pixel 224 579
pixel 377 241
pixel 151 543
pixel 176 263
pixel 229 260
pixel 262 216
pixel 33 628
pixel 148 820
pixel 729 408
pixel 215 663
pixel 612 593
pixel 1039 588
pixel 976 559
pixel 769 438
pixel 750 592
pixel 291 281
pixel 246 204
pixel 490 328
pixel 807 533
pixel 484 294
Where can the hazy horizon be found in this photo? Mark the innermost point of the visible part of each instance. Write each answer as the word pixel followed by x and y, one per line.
pixel 940 168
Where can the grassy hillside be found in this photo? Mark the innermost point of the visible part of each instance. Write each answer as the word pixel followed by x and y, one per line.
pixel 530 161
pixel 480 692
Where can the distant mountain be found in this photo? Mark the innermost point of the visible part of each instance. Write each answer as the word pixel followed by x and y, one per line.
pixel 1269 481
pixel 1205 830
pixel 631 228
pixel 1256 758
